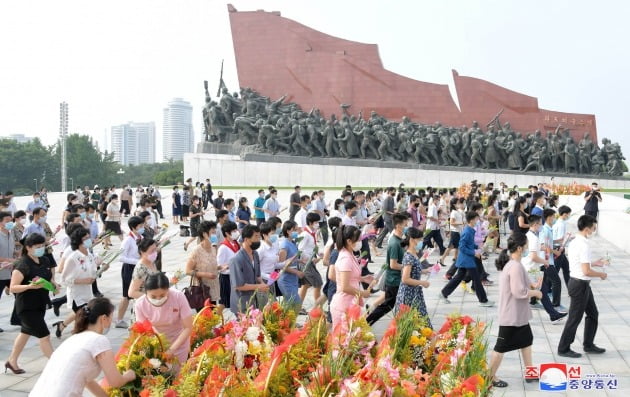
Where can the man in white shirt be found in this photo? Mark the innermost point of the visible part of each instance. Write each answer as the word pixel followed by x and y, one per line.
pixel 349 217
pixel 300 216
pixel 536 259
pixel 129 257
pixel 308 259
pixel 561 240
pixel 582 300
pixel 433 225
pixel 271 207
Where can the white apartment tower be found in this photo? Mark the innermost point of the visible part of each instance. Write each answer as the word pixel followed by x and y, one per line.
pixel 177 136
pixel 133 143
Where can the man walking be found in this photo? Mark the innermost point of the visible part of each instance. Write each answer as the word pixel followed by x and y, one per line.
pixel 394 257
pixel 389 206
pixel 582 300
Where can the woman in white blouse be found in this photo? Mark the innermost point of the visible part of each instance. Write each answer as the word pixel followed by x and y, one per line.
pixel 268 253
pixel 78 361
pixel 78 274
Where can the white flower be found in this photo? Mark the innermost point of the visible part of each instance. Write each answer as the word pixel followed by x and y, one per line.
pixel 240 350
pixel 252 333
pixel 301 392
pixel 354 388
pixel 155 363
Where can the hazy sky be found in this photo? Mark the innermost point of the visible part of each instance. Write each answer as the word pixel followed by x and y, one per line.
pixel 119 61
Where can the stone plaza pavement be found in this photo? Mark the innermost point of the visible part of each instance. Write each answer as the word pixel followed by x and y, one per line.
pixel 611 296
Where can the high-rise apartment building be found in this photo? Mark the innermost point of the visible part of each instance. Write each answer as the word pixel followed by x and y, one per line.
pixel 133 143
pixel 177 136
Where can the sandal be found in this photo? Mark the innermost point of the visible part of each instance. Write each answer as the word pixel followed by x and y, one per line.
pixel 60 327
pixel 499 383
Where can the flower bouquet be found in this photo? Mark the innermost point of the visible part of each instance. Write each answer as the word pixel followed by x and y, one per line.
pixel 279 320
pixel 294 359
pixel 204 323
pixel 144 352
pixel 349 347
pixel 107 258
pixel 177 276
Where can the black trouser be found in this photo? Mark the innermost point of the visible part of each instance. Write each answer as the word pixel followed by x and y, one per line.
pixel 437 237
pixel 158 208
pixel 562 263
pixel 551 279
pixel 95 290
pixel 389 226
pixel 365 247
pixel 582 301
pixel 462 272
pixel 260 221
pixel 591 213
pixel 385 307
pixel 323 229
pixel 480 269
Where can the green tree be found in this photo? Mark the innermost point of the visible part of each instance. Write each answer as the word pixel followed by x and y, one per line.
pixel 22 163
pixel 86 164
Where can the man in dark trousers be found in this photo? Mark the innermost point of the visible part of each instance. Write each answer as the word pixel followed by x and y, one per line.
pixel 389 206
pixel 207 194
pixel 592 199
pixel 294 203
pixel 582 300
pixel 394 257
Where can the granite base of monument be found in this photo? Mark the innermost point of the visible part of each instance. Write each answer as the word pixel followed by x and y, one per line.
pixel 233 165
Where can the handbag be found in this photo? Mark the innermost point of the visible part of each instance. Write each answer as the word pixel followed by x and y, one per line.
pixel 196 294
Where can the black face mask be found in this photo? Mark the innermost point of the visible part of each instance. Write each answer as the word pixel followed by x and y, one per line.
pixel 255 245
pixel 416 205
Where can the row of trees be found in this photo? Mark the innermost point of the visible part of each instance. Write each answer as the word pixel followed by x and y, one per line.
pixel 25 165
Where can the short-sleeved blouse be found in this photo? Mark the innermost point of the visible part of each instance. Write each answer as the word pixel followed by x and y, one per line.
pixel 33 299
pixel 206 261
pixel 141 272
pixel 72 365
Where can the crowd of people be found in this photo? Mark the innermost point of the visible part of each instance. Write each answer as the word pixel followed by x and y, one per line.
pixel 248 254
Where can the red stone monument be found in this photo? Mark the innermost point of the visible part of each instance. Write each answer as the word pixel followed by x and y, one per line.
pixel 277 56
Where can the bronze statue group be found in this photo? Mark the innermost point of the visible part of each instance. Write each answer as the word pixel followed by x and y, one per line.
pixel 251 119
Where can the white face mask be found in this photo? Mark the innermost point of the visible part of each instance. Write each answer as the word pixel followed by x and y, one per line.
pixel 23 221
pixel 234 235
pixel 158 302
pixel 357 246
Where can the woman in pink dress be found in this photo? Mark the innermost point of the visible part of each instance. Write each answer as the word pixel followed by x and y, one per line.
pixel 347 274
pixel 169 313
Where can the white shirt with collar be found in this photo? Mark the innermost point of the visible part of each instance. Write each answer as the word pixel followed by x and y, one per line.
pixel 268 255
pixel 578 253
pixel 307 244
pixel 300 218
pixel 129 249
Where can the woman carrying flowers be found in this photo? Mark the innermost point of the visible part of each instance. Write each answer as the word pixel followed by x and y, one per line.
pixel 147 248
pixel 514 311
pixel 347 274
pixel 202 263
pixel 32 271
pixel 169 312
pixel 410 291
pixel 289 279
pixel 77 362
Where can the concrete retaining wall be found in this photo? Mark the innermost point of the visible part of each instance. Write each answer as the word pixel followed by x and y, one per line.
pixel 231 170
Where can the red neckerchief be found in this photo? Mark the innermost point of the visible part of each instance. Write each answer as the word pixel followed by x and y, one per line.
pixel 231 245
pixel 313 234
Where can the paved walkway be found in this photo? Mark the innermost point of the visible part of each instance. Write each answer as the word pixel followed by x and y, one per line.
pixel 612 297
